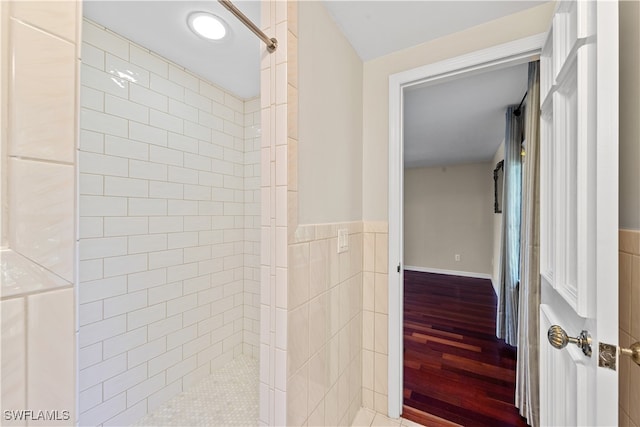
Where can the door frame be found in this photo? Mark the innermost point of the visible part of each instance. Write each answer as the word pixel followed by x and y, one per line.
pixel 496 57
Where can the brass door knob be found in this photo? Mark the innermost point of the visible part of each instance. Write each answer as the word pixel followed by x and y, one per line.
pixel 559 339
pixel 633 352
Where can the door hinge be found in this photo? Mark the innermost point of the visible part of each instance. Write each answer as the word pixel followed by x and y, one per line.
pixel 398 268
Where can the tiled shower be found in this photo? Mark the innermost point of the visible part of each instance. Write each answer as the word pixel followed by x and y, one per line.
pixel 169 227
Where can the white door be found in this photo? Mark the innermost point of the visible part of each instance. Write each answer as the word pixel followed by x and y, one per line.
pixel 579 212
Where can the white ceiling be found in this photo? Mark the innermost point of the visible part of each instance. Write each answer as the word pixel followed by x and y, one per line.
pixel 161 26
pixel 462 120
pixel 374 28
pixel 377 28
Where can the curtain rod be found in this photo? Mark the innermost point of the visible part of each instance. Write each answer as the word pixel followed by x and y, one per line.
pixel 272 44
pixel 517 111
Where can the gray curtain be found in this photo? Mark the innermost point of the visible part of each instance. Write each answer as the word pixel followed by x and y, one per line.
pixel 507 312
pixel 527 398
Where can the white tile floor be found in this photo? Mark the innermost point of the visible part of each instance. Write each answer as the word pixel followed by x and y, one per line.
pixel 227 397
pixel 368 418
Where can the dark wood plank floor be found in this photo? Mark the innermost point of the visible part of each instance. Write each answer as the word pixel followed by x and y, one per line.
pixel 455 370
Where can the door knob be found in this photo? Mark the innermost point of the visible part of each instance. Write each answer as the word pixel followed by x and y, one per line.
pixel 633 352
pixel 559 339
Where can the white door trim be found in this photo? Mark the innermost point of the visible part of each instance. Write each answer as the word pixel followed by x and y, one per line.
pixel 500 56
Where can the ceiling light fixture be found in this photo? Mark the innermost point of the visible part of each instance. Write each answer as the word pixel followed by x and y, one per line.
pixel 207 26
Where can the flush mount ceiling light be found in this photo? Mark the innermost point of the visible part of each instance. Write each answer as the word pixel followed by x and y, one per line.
pixel 207 26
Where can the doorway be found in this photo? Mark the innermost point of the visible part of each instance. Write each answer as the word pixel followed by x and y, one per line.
pixel 495 58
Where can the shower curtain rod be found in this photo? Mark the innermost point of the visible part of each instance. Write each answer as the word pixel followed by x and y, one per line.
pixel 272 44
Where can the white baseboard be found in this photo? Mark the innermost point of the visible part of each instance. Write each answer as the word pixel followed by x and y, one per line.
pixel 449 272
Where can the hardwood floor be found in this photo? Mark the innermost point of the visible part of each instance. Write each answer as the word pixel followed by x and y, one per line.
pixel 455 369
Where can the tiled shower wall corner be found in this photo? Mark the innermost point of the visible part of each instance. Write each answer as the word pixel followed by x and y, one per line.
pixel 324 365
pixel 169 238
pixel 375 306
pixel 629 325
pixel 277 17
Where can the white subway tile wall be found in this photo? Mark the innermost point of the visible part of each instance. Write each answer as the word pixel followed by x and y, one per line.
pixel 169 229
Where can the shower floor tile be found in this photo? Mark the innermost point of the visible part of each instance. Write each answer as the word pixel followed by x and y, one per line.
pixel 227 397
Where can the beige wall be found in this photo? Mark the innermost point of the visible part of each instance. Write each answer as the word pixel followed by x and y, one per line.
pixel 330 120
pixel 449 210
pixel 630 115
pixel 629 292
pixel 497 228
pixel 376 90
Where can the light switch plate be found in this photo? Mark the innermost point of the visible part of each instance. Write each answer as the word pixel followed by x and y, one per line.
pixel 343 240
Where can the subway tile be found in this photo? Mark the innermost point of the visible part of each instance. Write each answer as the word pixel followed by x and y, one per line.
pixel 165 156
pixel 90 313
pixel 163 293
pixel 182 336
pixel 183 142
pixel 183 175
pixel 102 247
pixel 149 98
pixel 197 131
pixel 102 206
pixel 100 164
pixel 104 40
pixel 167 224
pixel 164 361
pixel 128 416
pixel 146 207
pixel 183 111
pixel 149 134
pixel 156 399
pixel 89 355
pixel 91 98
pixel 104 411
pixel 100 289
pixel 125 226
pixel 198 101
pixel 99 331
pixel 90 397
pixel 146 279
pixel 126 70
pixel 145 352
pixel 166 190
pixel 126 109
pixel 91 141
pixel 93 56
pixel 104 123
pixel 145 316
pixel 165 121
pixel 124 303
pixel 125 187
pixel 167 87
pixel 147 243
pixel 124 381
pixel 183 78
pixel 163 327
pixel 144 389
pixel 90 270
pixel 124 342
pixel 148 61
pixel 122 147
pixel 91 184
pixel 103 81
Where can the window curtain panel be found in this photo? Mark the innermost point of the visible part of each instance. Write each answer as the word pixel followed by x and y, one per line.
pixel 527 373
pixel 507 310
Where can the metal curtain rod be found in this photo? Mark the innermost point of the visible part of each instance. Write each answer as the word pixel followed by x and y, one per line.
pixel 517 111
pixel 272 44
